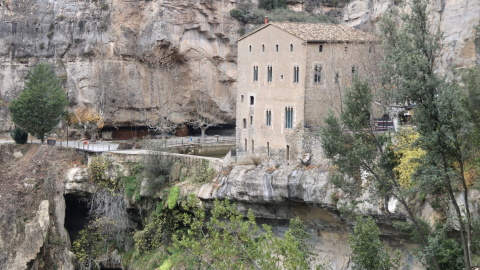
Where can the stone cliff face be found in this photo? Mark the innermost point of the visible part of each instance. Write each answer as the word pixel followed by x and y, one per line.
pixel 107 52
pixel 456 19
pixel 278 195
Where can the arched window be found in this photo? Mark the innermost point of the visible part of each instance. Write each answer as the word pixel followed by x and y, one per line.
pixel 263 47
pixel 269 73
pixel 291 47
pixel 244 123
pixel 288 117
pixel 317 74
pixel 250 48
pixel 296 74
pixel 269 118
pixel 276 47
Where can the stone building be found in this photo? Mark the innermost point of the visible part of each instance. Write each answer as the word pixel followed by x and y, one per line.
pixel 289 76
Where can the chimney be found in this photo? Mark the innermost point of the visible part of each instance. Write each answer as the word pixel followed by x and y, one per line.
pixel 266 19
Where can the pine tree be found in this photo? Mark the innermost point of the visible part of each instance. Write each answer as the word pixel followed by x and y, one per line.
pixel 368 252
pixel 39 107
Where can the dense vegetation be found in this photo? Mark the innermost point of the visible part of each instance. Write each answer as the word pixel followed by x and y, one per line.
pixel 276 11
pixel 176 232
pixel 436 160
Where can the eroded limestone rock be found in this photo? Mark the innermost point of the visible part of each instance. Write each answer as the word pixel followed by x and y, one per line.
pixel 35 234
pixel 77 182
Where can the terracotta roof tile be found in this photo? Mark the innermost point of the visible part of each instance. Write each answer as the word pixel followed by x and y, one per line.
pixel 322 32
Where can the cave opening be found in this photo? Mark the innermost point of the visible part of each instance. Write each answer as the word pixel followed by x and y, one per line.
pixel 76 214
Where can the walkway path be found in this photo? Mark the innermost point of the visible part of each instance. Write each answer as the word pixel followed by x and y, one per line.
pixel 106 146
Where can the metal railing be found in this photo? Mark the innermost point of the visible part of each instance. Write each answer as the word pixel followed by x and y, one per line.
pixel 209 140
pixel 168 143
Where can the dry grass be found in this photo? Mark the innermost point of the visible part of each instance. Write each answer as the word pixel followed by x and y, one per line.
pixel 251 160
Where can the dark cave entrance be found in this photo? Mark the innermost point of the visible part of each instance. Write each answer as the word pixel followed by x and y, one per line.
pixel 76 214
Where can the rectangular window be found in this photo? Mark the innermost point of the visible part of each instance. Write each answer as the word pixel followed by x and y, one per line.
pixel 296 74
pixel 288 117
pixel 269 73
pixel 317 76
pixel 253 146
pixel 269 118
pixel 255 73
pixel 241 98
pixel 320 48
pixel 252 100
pixel 251 120
pixel 244 123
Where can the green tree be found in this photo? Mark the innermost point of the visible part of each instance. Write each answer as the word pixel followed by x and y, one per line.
pixel 471 81
pixel 229 240
pixel 358 152
pixel 39 107
pixel 411 51
pixel 368 253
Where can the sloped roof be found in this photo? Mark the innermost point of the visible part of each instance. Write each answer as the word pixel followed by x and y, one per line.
pixel 320 32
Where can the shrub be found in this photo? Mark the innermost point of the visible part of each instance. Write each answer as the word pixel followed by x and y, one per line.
pixel 97 168
pixel 272 4
pixel 239 15
pixel 173 197
pixel 104 6
pixel 156 164
pixel 19 135
pixel 166 265
pixel 130 184
pixel 252 160
pixel 247 13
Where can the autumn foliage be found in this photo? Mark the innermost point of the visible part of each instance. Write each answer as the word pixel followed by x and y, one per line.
pixel 90 120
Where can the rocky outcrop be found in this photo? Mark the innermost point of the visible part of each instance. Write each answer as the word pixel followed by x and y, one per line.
pixel 109 51
pixel 457 20
pixel 35 236
pixel 77 182
pixel 277 195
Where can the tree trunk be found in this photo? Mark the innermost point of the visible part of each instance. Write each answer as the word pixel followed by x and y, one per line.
pixel 42 139
pixel 203 129
pixel 463 239
pixel 93 135
pixel 164 135
pixel 467 208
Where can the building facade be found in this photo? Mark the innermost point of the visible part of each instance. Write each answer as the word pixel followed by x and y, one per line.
pixel 289 76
